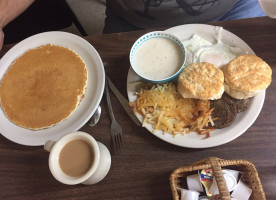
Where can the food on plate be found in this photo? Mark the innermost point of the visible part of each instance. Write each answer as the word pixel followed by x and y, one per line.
pixel 201 81
pixel 242 104
pixel 201 50
pixel 161 106
pixel 246 76
pixel 224 111
pixel 43 86
pixel 215 85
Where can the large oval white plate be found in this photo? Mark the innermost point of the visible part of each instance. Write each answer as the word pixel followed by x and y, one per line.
pixel 88 105
pixel 220 136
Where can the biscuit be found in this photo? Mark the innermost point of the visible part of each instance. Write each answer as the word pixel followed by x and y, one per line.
pixel 43 87
pixel 246 75
pixel 201 81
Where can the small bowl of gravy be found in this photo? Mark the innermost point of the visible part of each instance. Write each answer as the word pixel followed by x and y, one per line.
pixel 157 57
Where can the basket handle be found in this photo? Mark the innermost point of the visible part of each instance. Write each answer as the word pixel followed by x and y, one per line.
pixel 222 187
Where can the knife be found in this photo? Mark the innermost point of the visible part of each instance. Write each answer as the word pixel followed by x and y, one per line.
pixel 124 102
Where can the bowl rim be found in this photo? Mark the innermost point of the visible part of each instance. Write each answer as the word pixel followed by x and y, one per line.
pixel 151 35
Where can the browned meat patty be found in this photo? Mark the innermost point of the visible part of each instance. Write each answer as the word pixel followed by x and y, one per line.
pixel 225 112
pixel 242 104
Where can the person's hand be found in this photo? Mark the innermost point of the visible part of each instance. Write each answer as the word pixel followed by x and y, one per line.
pixel 1 38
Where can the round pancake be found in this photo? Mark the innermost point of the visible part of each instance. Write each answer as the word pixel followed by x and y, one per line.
pixel 43 86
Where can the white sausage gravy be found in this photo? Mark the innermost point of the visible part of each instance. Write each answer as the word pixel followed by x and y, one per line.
pixel 158 58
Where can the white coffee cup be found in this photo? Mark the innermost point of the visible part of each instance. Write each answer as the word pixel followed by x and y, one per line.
pixel 98 170
pixel 189 194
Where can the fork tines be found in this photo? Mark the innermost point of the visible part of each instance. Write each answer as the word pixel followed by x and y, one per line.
pixel 117 142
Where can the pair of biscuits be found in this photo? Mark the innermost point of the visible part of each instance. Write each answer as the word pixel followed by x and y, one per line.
pixel 244 77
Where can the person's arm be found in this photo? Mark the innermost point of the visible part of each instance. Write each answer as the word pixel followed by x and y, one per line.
pixel 9 10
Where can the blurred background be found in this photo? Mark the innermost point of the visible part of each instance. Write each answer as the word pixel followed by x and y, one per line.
pixel 90 14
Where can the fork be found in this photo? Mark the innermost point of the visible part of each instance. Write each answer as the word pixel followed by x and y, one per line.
pixel 115 128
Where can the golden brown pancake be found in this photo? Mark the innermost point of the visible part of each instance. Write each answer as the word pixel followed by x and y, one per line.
pixel 43 86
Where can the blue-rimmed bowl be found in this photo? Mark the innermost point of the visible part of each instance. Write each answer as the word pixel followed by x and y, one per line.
pixel 146 38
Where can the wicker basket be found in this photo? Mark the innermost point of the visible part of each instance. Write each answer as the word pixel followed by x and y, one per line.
pixel 249 176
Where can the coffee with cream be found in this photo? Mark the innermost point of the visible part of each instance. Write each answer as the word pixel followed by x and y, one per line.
pixel 76 158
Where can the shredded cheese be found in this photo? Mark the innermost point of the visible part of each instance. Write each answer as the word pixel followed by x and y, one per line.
pixel 163 108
